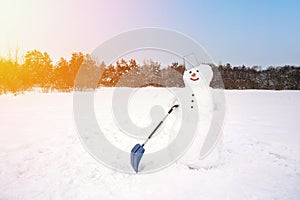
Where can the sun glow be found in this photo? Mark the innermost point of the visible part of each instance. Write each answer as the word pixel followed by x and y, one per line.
pixel 15 19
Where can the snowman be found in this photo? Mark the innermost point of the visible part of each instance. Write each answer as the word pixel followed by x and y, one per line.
pixel 198 79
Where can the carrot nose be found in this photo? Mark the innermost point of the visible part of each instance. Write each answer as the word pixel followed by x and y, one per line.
pixel 193 74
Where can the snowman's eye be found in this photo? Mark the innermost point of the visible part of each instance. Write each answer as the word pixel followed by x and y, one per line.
pixel 190 72
pixel 197 70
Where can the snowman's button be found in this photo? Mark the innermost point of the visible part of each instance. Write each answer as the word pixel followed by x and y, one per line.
pixel 193 95
pixel 192 101
pixel 192 106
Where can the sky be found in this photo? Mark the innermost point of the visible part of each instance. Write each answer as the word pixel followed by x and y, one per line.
pixel 249 32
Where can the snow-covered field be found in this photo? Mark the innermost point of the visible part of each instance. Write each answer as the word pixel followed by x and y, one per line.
pixel 41 156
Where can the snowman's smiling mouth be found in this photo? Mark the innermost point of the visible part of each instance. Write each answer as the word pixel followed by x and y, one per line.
pixel 194 79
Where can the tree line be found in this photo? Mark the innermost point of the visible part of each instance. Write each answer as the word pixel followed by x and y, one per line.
pixel 272 78
pixel 38 71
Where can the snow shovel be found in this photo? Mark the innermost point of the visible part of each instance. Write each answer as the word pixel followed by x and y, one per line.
pixel 138 150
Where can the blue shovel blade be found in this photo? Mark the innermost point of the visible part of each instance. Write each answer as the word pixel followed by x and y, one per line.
pixel 136 156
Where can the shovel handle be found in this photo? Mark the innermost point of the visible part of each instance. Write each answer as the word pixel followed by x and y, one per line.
pixel 160 123
pixel 175 106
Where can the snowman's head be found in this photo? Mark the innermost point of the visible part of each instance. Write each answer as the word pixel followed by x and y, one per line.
pixel 192 76
pixel 200 75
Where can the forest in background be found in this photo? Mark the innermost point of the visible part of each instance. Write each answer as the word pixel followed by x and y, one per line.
pixel 38 71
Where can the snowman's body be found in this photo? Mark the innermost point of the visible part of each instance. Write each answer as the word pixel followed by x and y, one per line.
pixel 198 79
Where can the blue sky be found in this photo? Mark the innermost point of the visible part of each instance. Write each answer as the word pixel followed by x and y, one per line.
pixel 239 32
pixel 242 32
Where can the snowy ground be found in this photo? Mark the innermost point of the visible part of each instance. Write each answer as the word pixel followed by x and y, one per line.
pixel 41 156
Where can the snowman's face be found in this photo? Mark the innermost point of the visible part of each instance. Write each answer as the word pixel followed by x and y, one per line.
pixel 192 75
